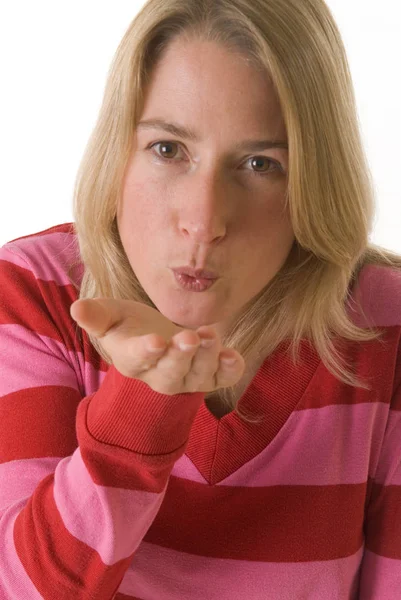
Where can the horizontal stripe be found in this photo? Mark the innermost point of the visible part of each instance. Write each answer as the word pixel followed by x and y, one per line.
pixel 42 307
pixel 374 363
pixel 38 422
pixel 297 503
pixel 148 470
pixel 277 523
pixel 380 529
pixel 52 557
pixel 47 362
pixel 19 478
pixel 26 306
pixel 338 431
pixel 163 574
pixel 53 348
pixel 375 286
pixel 99 516
pixel 326 446
pixel 49 256
pixel 219 448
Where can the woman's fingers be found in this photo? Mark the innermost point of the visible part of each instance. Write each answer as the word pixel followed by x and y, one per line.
pixel 209 367
pixel 171 361
pixel 192 363
pixel 168 375
pixel 189 361
pixel 231 369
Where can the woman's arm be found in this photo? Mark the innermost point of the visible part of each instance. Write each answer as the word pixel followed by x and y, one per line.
pixel 77 493
pixel 381 566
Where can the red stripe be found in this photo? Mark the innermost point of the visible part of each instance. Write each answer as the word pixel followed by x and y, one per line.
pixel 277 523
pixel 49 412
pixel 56 562
pixel 374 363
pixel 62 228
pixel 43 307
pixel 38 305
pixel 121 468
pixel 51 318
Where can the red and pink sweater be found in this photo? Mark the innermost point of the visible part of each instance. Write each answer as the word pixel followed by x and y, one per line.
pixel 109 489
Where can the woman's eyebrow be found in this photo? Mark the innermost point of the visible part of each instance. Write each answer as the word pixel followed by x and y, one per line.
pixel 187 134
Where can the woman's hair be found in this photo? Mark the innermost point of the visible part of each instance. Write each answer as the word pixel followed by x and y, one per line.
pixel 330 191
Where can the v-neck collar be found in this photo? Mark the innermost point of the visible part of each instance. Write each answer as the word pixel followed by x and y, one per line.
pixel 220 446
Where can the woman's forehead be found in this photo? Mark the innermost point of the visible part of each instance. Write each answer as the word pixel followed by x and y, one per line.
pixel 201 85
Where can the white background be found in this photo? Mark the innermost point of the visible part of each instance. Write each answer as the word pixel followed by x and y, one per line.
pixel 54 57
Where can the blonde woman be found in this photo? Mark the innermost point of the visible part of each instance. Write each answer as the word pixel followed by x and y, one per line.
pixel 222 211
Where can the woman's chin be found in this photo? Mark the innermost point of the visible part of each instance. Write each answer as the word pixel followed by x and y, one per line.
pixel 190 316
pixel 191 321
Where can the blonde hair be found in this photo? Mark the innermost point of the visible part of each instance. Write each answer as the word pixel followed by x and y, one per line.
pixel 330 188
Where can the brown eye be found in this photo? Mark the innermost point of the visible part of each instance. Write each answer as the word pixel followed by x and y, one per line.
pixel 166 149
pixel 259 162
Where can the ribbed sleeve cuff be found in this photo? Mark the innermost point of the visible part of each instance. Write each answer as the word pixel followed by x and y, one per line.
pixel 128 413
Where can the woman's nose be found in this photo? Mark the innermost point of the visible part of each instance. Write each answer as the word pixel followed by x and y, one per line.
pixel 203 209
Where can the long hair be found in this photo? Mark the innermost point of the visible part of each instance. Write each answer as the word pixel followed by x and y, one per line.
pixel 330 192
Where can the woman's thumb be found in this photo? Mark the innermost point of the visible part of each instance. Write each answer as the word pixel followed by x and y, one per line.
pixel 93 315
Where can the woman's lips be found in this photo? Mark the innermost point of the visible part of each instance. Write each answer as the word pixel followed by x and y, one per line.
pixel 193 284
pixel 197 273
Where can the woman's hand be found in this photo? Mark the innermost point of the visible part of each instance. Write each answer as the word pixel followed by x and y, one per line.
pixel 145 345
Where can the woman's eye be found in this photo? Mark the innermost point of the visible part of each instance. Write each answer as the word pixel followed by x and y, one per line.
pixel 258 162
pixel 166 149
pixel 260 165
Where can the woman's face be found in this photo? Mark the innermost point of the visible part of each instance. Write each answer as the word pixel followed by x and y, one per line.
pixel 212 200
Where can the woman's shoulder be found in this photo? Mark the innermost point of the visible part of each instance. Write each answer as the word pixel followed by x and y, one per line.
pixel 378 292
pixel 51 254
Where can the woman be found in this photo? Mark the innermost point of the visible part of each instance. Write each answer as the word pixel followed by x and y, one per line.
pixel 222 210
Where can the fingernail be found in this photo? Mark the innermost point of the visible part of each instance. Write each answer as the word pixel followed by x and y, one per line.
pixel 183 346
pixel 207 342
pixel 228 361
pixel 155 350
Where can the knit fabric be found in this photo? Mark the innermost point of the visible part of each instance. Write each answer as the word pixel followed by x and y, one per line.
pixel 109 489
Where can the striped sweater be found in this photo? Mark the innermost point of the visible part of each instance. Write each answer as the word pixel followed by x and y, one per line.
pixel 110 490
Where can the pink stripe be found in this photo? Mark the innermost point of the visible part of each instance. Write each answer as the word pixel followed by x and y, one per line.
pixel 327 434
pixel 20 478
pixel 158 572
pixel 380 578
pixel 185 468
pixel 375 286
pixel 14 581
pixel 379 292
pixel 48 256
pixel 46 362
pixel 320 446
pixel 112 521
pixel 389 468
